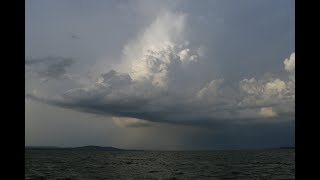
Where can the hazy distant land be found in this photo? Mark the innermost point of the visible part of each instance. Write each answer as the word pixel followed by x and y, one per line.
pixel 109 148
pixel 87 148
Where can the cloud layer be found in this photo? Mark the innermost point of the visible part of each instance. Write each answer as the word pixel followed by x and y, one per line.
pixel 160 82
pixel 52 67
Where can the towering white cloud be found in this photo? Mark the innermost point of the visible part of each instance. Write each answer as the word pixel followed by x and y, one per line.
pixel 159 50
pixel 290 63
pixel 275 86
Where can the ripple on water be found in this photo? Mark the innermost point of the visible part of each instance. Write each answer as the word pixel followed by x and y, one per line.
pixel 160 165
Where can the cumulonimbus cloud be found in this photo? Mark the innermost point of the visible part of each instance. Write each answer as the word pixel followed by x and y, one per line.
pixel 156 86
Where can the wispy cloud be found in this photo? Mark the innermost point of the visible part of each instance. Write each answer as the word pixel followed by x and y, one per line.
pixel 53 67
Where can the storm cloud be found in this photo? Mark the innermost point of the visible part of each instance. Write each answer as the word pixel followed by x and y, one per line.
pixel 159 81
pixel 160 75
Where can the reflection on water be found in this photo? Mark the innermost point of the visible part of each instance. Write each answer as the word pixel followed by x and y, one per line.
pixel 73 164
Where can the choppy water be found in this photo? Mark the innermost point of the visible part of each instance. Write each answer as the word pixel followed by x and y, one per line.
pixel 72 164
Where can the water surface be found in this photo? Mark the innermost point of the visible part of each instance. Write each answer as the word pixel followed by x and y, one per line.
pixel 75 164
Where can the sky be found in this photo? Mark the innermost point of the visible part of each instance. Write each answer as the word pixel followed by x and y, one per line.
pixel 160 75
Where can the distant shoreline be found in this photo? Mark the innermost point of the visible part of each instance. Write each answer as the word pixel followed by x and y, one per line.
pixel 100 148
pixel 83 148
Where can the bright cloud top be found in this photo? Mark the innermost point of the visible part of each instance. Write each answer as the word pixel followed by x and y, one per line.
pixel 157 85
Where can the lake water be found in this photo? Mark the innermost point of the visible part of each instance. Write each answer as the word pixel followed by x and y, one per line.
pixel 75 164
